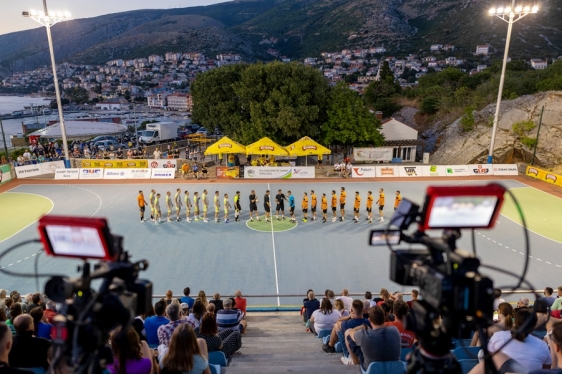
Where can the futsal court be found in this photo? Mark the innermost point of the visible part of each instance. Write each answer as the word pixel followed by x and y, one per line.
pixel 269 259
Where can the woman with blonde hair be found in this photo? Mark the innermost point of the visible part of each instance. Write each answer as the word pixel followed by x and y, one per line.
pixel 340 307
pixel 385 295
pixel 201 296
pixel 185 354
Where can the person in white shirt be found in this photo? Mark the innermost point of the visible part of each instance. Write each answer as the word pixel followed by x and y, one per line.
pixel 27 157
pixel 497 300
pixel 157 153
pixel 324 318
pixel 347 301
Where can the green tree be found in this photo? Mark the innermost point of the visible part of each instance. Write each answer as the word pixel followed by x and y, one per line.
pixel 386 73
pixel 379 95
pixel 127 95
pixel 467 120
pixel 429 105
pixel 78 95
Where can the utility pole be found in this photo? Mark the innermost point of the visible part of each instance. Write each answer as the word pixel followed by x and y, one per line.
pixel 537 140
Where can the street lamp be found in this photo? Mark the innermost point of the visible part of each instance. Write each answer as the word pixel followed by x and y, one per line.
pixel 49 19
pixel 509 14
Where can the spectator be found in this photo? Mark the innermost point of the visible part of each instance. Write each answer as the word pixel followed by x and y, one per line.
pixel 35 302
pixel 41 328
pixel 548 298
pixel 414 293
pixel 226 341
pixel 157 153
pixel 20 161
pixel 400 312
pixel 17 300
pixel 50 310
pixel 355 319
pixel 310 305
pixel 555 343
pixel 201 296
pixel 185 354
pixel 9 302
pixel 3 317
pixel 3 299
pixel 5 347
pixel 329 294
pixel 211 309
pixel 528 350
pixel 378 343
pixel 187 299
pixel 27 157
pixel 152 324
pixel 240 302
pixel 341 308
pixel 138 323
pixel 388 308
pixel 557 304
pixel 130 355
pixel 184 309
pixel 505 322
pixel 385 295
pixel 324 318
pixel 217 302
pixel 27 350
pixel 165 331
pixel 497 298
pixel 197 313
pixel 169 297
pixel 15 311
pixel 545 321
pixel 229 318
pixel 369 298
pixel 397 296
pixel 347 301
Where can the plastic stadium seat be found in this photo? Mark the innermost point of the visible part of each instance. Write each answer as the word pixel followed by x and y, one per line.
pixel 339 347
pixel 217 358
pixel 404 352
pixel 215 369
pixel 467 365
pixel 323 333
pixel 463 342
pixel 153 346
pixel 326 339
pixel 37 370
pixel 539 334
pixel 466 353
pixel 386 367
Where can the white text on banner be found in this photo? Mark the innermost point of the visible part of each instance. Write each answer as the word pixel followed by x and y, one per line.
pixel 387 171
pixel 506 169
pixel 27 171
pixel 410 171
pixel 481 169
pixel 163 173
pixel 114 173
pixel 139 173
pixel 93 173
pixel 363 172
pixel 67 173
pixel 267 172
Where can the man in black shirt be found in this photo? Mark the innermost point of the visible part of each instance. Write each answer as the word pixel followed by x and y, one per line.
pixel 253 206
pixel 280 202
pixel 35 302
pixel 119 154
pixel 266 205
pixel 27 350
pixel 5 347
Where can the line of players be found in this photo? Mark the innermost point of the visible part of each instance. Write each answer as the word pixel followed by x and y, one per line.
pixel 193 204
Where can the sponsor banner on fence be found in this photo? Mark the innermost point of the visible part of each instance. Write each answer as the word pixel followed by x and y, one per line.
pixel 434 171
pixel 544 175
pixel 387 171
pixel 481 169
pixel 51 167
pixel 91 173
pixel 506 169
pixel 5 174
pixel 226 172
pixel 267 172
pixel 410 171
pixel 111 173
pixel 139 173
pixel 372 154
pixel 303 172
pixel 363 172
pixel 118 164
pixel 27 171
pixel 457 170
pixel 163 173
pixel 163 164
pixel 67 173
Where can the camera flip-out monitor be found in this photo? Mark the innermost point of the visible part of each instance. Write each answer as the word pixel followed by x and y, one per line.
pixel 405 214
pixel 384 237
pixel 84 238
pixel 462 207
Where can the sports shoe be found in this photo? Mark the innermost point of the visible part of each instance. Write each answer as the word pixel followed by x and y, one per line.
pixel 196 219
pixel 169 220
pixel 326 348
pixel 323 221
pixel 370 221
pixel 366 219
pixel 267 220
pixel 251 220
pixel 226 221
pixel 277 218
pixel 142 220
pixel 204 220
pixel 381 220
pixel 334 219
pixel 347 360
pixel 343 219
pixel 283 217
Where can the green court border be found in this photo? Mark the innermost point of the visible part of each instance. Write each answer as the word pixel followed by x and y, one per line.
pixel 28 222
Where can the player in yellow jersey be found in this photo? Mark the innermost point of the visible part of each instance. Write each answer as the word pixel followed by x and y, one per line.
pixel 334 205
pixel 169 205
pixel 226 207
pixel 397 200
pixel 178 203
pixel 305 207
pixel 151 198
pixel 313 203
pixel 356 206
pixel 142 205
pixel 196 200
pixel 157 212
pixel 324 203
pixel 216 201
pixel 380 202
pixel 370 207
pixel 187 201
pixel 343 195
pixel 237 206
pixel 205 205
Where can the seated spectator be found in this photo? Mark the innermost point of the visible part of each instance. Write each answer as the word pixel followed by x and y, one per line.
pixel 197 313
pixel 505 322
pixel 3 317
pixel 15 311
pixel 226 341
pixel 355 319
pixel 407 337
pixel 414 293
pixel 8 303
pixel 385 295
pixel 211 308
pixel 35 302
pixel 397 296
pixel 557 304
pixel 138 323
pixel 555 344
pixel 347 301
pixel 240 302
pixel 152 324
pixel 5 347
pixel 41 327
pixel 329 294
pixel 201 296
pixel 130 355
pixel 369 298
pixel 324 318
pixel 217 302
pixel 341 308
pixel 545 320
pixel 50 310
pixel 186 298
pixel 184 309
pixel 388 308
pixel 3 298
pixel 522 303
pixel 528 350
pixel 310 304
pixel 28 351
pixel 165 331
pixel 372 342
pixel 229 318
pixel 185 354
pixel 169 297
pixel 17 300
pixel 497 298
pixel 548 298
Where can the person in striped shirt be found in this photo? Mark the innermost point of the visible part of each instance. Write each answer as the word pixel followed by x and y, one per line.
pixel 169 205
pixel 178 203
pixel 226 207
pixel 217 204
pixel 187 201
pixel 237 206
pixel 229 318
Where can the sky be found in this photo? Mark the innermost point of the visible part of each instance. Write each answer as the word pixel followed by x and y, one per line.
pixel 12 19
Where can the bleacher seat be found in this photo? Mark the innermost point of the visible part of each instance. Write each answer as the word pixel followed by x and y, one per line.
pixel 215 369
pixel 467 365
pixel 466 353
pixel 462 343
pixel 539 334
pixel 153 346
pixel 323 333
pixel 386 367
pixel 404 352
pixel 338 345
pixel 37 370
pixel 217 358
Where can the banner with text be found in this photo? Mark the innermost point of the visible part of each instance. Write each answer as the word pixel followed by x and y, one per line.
pixel 363 172
pixel 434 171
pixel 163 173
pixel 387 171
pixel 481 169
pixel 111 173
pixel 303 172
pixel 410 171
pixel 139 173
pixel 67 174
pixel 225 172
pixel 5 174
pixel 27 171
pixel 457 170
pixel 51 166
pixel 544 175
pixel 93 173
pixel 163 164
pixel 506 169
pixel 119 164
pixel 372 154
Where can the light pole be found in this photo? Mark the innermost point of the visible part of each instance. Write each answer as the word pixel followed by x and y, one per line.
pixel 49 19
pixel 509 14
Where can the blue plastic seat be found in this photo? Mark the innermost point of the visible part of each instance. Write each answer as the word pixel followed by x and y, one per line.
pixel 404 352
pixel 215 369
pixel 323 333
pixel 467 365
pixel 466 353
pixel 462 343
pixel 153 346
pixel 217 358
pixel 539 334
pixel 386 367
pixel 37 370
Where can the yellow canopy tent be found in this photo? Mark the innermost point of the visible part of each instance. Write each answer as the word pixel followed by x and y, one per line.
pixel 266 146
pixel 307 147
pixel 225 145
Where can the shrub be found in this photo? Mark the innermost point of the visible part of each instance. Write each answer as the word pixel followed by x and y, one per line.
pixel 529 142
pixel 523 127
pixel 467 120
pixel 429 105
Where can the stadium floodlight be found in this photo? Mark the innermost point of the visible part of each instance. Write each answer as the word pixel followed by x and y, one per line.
pixel 509 14
pixel 49 20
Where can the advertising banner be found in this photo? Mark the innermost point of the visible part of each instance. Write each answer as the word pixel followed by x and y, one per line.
pixel 267 172
pixel 163 164
pixel 51 166
pixel 434 171
pixel 224 172
pixel 303 172
pixel 139 173
pixel 163 173
pixel 410 171
pixel 111 173
pixel 67 173
pixel 372 154
pixel 387 171
pixel 544 175
pixel 118 164
pixel 481 169
pixel 363 172
pixel 5 174
pixel 506 169
pixel 27 171
pixel 93 173
pixel 457 170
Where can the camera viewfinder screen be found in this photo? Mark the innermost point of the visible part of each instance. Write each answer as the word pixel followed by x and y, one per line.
pixel 75 241
pixel 381 237
pixel 462 211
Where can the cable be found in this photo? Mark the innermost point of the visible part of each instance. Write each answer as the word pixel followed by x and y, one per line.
pixel 473 241
pixel 23 275
pixel 36 270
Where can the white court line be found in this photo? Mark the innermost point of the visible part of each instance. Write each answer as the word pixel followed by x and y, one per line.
pixel 92 192
pixel 517 223
pixel 26 193
pixel 558 197
pixel 274 257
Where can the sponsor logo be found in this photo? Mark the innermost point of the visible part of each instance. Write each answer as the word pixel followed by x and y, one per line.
pixel 411 171
pixel 86 164
pixel 533 171
pixel 108 165
pixel 169 165
pixel 433 169
pixel 387 171
pixel 90 171
pixel 361 171
pixel 449 170
pixel 305 147
pixel 481 170
pixel 154 164
pixel 162 174
pixel 225 145
pixel 251 173
pixel 292 147
pixel 551 177
pixel 266 148
pixel 131 164
pixel 28 171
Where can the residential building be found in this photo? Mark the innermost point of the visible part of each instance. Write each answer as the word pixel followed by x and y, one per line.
pixel 538 64
pixel 157 100
pixel 435 47
pixel 179 101
pixel 483 49
pixel 155 59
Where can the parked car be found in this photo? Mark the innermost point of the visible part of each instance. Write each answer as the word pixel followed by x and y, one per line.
pixel 106 144
pixel 103 137
pixel 202 131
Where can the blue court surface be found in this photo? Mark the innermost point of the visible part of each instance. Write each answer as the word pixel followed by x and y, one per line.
pixel 219 257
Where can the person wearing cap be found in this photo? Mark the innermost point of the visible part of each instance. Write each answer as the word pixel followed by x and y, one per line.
pixel 184 309
pixel 230 318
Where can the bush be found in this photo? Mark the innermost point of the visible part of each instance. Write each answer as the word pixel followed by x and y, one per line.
pixel 529 142
pixel 467 120
pixel 523 127
pixel 429 105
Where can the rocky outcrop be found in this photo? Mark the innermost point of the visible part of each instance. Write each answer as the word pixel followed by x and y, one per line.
pixel 458 147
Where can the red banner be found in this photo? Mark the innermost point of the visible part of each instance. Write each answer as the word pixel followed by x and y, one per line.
pixel 230 172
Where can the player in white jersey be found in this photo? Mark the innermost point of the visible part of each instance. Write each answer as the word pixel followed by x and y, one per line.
pixel 196 200
pixel 187 206
pixel 178 203
pixel 151 198
pixel 205 205
pixel 217 204
pixel 169 205
pixel 157 212
pixel 226 207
